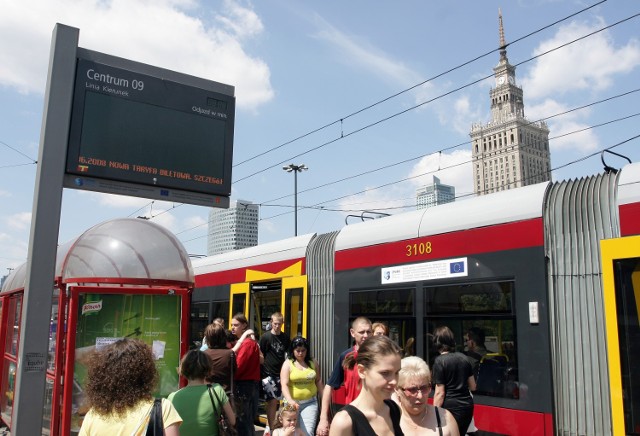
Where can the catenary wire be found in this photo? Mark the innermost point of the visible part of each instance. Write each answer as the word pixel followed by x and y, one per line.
pixel 457 145
pixel 397 94
pixel 431 100
pixel 322 207
pixel 416 106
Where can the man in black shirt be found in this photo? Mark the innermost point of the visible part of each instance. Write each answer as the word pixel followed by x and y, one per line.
pixel 274 345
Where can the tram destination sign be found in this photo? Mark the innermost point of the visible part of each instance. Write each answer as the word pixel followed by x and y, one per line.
pixel 130 128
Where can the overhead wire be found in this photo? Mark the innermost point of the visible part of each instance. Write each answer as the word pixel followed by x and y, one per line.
pixel 342 135
pixel 431 100
pixel 484 191
pixel 397 94
pixel 448 148
pixel 448 93
pixel 320 207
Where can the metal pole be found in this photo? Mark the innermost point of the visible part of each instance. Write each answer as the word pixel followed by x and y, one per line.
pixel 28 406
pixel 295 200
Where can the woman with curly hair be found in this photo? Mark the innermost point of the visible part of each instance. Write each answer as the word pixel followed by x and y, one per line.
pixel 120 383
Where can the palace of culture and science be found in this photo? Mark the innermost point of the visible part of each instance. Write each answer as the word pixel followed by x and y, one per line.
pixel 509 151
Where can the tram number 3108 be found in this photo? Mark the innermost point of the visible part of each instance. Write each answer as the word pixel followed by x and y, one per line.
pixel 418 248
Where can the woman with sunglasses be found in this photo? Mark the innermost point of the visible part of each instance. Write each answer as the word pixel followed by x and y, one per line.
pixel 301 383
pixel 412 393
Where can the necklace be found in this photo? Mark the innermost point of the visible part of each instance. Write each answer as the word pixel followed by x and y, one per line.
pixel 413 423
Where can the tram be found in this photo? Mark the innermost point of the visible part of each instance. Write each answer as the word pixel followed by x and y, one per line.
pixel 549 272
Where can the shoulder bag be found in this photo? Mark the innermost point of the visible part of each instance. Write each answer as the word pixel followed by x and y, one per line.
pixel 224 427
pixel 156 426
pixel 232 383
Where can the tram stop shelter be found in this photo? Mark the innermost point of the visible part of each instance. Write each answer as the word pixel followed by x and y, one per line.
pixel 124 278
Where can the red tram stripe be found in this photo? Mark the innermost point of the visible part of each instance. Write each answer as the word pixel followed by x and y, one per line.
pixel 509 236
pixel 630 219
pixel 511 421
pixel 238 275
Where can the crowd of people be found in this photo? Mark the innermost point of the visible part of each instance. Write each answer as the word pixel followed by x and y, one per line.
pixel 386 391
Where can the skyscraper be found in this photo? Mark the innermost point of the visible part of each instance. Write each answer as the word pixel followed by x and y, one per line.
pixel 233 228
pixel 509 151
pixel 434 194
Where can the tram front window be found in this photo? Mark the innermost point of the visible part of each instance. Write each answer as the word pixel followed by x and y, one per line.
pixel 482 319
pixel 627 288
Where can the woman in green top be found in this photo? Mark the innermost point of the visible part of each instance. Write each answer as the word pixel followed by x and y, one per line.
pixel 193 403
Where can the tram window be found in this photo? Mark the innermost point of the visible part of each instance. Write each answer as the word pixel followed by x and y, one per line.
pixel 387 301
pixel 294 303
pixel 481 312
pixel 627 288
pixel 238 304
pixel 493 297
pixel 199 321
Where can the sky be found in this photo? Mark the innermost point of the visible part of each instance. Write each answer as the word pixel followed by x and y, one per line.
pixel 374 97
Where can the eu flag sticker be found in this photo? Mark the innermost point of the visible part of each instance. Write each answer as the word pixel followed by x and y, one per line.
pixel 456 267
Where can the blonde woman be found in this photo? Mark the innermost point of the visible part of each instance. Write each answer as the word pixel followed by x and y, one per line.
pixel 412 393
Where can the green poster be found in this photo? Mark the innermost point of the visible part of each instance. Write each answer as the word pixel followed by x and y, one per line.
pixel 106 318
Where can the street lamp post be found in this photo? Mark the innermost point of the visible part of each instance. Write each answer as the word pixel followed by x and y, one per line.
pixel 295 169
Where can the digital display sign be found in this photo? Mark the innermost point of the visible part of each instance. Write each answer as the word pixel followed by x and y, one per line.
pixel 141 129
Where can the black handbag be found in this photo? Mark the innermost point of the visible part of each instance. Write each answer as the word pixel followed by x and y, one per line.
pixel 156 426
pixel 224 427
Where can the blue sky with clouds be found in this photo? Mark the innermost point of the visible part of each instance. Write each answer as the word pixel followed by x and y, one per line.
pixel 305 66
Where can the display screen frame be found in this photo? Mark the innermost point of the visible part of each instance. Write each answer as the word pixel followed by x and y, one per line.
pixel 134 124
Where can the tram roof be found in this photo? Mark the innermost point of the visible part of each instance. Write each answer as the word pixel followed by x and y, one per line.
pixel 127 248
pixel 497 208
pixel 291 248
pixel 629 184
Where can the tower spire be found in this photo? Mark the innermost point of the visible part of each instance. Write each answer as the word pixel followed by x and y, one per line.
pixel 503 44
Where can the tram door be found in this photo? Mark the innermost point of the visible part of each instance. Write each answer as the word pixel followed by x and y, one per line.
pixel 621 284
pixel 259 300
pixel 295 305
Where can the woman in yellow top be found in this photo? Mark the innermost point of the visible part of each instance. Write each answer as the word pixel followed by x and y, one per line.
pixel 301 383
pixel 120 383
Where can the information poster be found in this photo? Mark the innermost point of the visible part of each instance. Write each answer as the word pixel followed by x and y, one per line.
pixel 106 318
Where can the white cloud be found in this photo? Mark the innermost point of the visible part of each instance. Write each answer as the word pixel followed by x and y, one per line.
pixel 590 64
pixel 14 250
pixel 389 200
pixel 5 193
pixel 369 58
pixel 154 32
pixel 584 141
pixel 166 219
pixel 19 221
pixel 267 227
pixel 451 168
pixel 463 115
pixel 194 221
